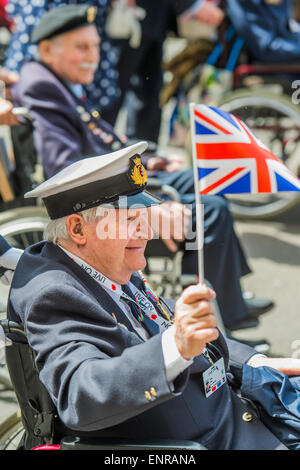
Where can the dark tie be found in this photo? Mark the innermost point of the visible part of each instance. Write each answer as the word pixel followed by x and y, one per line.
pixel 141 317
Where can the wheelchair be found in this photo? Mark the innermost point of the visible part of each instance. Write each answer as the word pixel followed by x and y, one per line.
pixel 33 426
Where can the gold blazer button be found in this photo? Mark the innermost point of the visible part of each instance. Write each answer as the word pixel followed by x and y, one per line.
pixel 247 416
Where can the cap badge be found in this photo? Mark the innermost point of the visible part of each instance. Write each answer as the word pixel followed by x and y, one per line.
pixel 91 14
pixel 137 171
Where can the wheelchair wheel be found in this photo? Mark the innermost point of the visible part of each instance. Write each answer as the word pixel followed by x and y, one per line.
pixel 11 432
pixel 276 121
pixel 23 226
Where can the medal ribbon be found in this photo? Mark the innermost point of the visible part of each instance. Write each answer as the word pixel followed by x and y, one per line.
pixel 150 325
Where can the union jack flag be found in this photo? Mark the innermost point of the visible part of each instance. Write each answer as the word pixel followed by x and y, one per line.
pixel 230 159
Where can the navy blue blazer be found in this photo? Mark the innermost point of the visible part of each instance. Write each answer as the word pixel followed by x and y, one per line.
pixel 265 27
pixel 65 130
pixel 97 369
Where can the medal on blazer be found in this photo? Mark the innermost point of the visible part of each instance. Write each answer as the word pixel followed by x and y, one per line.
pixel 89 118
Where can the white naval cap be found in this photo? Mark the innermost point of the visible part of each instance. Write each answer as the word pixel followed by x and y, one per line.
pixel 98 180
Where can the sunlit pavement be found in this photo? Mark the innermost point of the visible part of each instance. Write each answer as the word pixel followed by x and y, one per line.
pixel 273 249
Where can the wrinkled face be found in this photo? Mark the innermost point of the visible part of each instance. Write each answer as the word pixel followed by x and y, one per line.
pixel 116 243
pixel 74 56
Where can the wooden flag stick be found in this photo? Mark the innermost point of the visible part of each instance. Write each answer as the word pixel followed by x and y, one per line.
pixel 5 188
pixel 199 206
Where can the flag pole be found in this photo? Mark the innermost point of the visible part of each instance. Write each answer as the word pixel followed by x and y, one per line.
pixel 200 218
pixel 199 206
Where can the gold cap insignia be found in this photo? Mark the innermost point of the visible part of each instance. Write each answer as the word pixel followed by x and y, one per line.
pixel 91 14
pixel 273 2
pixel 137 171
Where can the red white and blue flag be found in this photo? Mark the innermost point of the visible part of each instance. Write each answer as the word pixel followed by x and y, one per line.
pixel 230 159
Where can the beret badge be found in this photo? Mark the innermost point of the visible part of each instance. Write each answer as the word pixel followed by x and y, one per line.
pixel 91 14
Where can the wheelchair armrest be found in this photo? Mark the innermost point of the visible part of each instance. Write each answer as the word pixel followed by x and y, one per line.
pixel 78 443
pixel 155 185
pixel 267 69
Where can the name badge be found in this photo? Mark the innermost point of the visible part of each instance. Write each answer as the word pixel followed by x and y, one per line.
pixel 214 377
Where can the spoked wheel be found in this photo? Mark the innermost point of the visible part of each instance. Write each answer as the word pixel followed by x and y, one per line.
pixel 23 226
pixel 276 122
pixel 11 432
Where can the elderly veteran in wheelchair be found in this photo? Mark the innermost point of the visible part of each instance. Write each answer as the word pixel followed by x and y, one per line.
pixel 67 128
pixel 116 360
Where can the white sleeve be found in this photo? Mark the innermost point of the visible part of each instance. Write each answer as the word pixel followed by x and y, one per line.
pixel 256 360
pixel 174 362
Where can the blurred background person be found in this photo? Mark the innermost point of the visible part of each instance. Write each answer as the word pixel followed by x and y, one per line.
pixel 269 28
pixel 104 90
pixel 7 117
pixel 140 68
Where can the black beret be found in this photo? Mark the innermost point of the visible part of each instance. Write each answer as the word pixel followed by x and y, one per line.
pixel 62 19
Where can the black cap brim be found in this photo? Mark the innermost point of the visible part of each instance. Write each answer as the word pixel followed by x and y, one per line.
pixel 137 201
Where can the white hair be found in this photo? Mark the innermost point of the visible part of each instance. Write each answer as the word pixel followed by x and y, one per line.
pixel 56 229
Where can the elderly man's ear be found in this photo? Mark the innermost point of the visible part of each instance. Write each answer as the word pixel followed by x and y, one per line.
pixel 75 228
pixel 46 51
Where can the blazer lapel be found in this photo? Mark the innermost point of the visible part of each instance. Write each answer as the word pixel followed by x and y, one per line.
pixel 110 305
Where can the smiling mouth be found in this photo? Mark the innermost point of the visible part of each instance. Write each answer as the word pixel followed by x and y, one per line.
pixel 139 248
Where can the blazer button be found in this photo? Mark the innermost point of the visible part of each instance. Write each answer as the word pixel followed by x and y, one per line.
pixel 153 392
pixel 247 416
pixel 147 395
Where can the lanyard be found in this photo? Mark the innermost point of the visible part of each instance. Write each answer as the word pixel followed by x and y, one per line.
pixel 141 300
pixel 206 354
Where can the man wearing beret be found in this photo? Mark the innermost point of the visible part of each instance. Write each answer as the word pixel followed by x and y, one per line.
pixel 67 129
pixel 117 360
